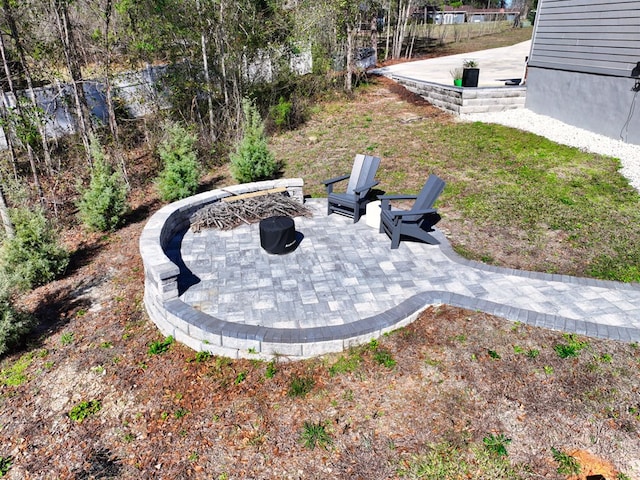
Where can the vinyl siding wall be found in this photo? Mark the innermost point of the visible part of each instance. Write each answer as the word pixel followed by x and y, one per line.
pixel 596 36
pixel 580 65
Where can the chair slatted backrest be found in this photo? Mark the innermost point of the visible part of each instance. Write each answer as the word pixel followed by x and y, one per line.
pixel 363 172
pixel 429 193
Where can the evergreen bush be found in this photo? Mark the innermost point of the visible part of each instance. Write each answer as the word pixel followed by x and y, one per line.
pixel 252 159
pixel 104 204
pixel 14 325
pixel 281 113
pixel 33 257
pixel 181 173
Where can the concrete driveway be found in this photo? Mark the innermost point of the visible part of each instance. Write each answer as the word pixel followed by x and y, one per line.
pixel 496 66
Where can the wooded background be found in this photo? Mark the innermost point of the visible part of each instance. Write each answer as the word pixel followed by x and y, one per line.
pixel 213 53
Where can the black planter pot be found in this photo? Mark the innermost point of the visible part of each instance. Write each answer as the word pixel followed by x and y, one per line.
pixel 470 77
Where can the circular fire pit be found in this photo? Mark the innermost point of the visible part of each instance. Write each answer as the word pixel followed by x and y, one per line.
pixel 167 278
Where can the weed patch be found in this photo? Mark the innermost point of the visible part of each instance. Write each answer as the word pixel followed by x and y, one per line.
pixel 160 346
pixel 346 363
pixel 567 465
pixel 300 386
pixel 202 357
pixel 271 369
pixel 315 435
pixel 384 357
pixel 446 461
pixel 496 444
pixel 180 413
pixel 16 375
pixel 84 409
pixel 381 356
pixel 5 465
pixel 571 348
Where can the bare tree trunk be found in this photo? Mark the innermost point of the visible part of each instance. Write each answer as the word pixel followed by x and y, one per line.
pixel 8 134
pixel 388 22
pixel 401 26
pixel 350 67
pixel 409 51
pixel 207 78
pixel 374 34
pixel 8 13
pixel 397 50
pixel 4 214
pixel 222 50
pixel 71 59
pixel 30 154
pixel 113 123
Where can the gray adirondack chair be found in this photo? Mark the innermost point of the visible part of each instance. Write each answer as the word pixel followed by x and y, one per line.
pixel 361 180
pixel 416 222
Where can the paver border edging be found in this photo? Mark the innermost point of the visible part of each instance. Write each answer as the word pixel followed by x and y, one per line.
pixel 545 320
pixel 448 250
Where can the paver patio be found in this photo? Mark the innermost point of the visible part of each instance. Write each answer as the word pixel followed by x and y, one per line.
pixel 343 274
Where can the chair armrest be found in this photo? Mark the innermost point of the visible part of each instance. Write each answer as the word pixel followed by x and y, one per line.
pixel 336 179
pixel 386 199
pixel 329 183
pixel 403 213
pixel 397 197
pixel 366 187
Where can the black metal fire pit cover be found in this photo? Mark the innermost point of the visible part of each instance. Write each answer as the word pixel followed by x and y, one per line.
pixel 277 234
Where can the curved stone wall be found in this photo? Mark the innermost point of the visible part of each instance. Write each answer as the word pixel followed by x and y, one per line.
pixel 172 316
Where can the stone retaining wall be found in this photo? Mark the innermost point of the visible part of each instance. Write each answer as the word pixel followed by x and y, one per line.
pixel 171 315
pixel 460 100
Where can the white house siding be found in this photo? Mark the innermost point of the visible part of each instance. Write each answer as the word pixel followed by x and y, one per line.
pixel 580 65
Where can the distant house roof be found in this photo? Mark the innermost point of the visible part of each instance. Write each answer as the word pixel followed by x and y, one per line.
pixel 477 11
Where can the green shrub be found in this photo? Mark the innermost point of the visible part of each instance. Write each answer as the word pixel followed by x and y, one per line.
pixel 14 325
pixel 181 173
pixel 33 257
pixel 281 113
pixel 104 202
pixel 252 159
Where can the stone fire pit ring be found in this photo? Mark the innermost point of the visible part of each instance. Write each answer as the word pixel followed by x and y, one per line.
pixel 203 332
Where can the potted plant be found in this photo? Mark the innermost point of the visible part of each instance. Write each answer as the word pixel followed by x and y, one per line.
pixel 456 73
pixel 470 73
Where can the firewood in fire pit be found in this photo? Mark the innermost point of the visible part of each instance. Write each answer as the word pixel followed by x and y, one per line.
pixel 229 215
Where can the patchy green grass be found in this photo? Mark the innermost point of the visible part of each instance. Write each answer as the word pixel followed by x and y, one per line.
pixel 445 460
pixel 346 363
pixel 84 409
pixel 512 198
pixel 16 373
